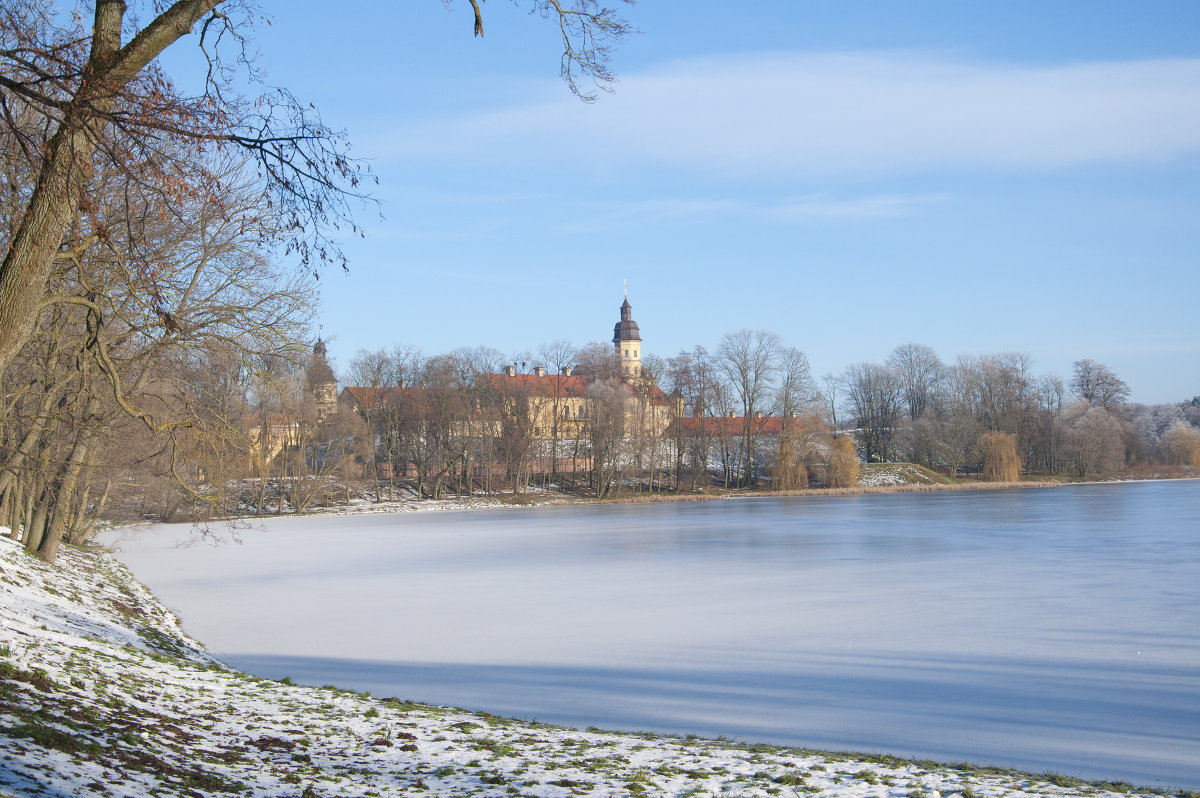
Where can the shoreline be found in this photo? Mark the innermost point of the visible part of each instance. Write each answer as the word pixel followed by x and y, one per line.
pixel 546 498
pixel 104 694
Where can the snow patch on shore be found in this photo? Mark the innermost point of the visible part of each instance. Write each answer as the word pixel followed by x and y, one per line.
pixel 102 694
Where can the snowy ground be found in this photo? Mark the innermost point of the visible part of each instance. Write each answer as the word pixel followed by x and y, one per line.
pixel 880 475
pixel 101 694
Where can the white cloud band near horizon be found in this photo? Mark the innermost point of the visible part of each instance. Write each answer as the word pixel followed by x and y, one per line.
pixel 866 113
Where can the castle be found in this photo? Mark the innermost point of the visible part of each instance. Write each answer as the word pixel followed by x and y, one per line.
pixel 551 405
pixel 602 416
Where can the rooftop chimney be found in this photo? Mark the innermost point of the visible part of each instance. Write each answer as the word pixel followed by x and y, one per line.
pixel 758 414
pixel 510 370
pixel 566 371
pixel 732 414
pixel 539 371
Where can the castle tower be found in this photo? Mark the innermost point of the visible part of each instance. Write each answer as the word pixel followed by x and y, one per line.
pixel 321 384
pixel 628 341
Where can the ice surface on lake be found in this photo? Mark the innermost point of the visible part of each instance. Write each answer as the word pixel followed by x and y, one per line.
pixel 1052 629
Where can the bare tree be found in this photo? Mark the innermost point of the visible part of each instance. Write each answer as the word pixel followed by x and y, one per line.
pixel 606 430
pixel 108 104
pixel 874 392
pixel 652 412
pixel 558 357
pixel 693 379
pixel 102 348
pixel 1097 384
pixel 371 372
pixel 796 396
pixel 920 371
pixel 750 362
pixel 589 34
pixel 1050 392
pixel 105 98
pixel 1181 444
pixel 831 388
pixel 1093 439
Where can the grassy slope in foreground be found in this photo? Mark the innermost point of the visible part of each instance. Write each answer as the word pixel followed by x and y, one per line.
pixel 102 694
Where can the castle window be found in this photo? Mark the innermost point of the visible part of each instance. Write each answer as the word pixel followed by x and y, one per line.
pixel 626 353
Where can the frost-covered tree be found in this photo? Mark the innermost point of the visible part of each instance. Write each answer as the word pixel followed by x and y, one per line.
pixel 1097 384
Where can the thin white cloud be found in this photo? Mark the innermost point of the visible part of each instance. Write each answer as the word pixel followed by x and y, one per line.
pixel 844 113
pixel 785 211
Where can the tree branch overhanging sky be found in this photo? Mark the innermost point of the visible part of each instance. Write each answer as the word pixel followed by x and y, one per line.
pixel 976 177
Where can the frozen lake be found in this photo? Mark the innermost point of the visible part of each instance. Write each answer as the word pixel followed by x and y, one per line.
pixel 1052 629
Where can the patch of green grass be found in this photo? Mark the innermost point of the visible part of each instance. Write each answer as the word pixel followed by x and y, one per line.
pixel 37 677
pixel 403 706
pixel 50 737
pixel 163 643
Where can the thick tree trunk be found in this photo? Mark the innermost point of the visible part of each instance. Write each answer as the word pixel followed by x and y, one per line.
pixel 16 509
pixel 30 256
pixel 47 548
pixel 36 528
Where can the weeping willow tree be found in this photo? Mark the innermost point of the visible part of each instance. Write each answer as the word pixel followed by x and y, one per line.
pixel 998 451
pixel 843 463
pixel 1181 444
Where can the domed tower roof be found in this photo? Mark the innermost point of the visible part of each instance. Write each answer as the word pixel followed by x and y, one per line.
pixel 319 372
pixel 626 329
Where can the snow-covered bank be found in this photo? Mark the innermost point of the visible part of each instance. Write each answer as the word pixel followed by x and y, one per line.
pixel 101 694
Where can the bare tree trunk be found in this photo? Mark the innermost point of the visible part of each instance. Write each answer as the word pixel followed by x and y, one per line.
pixel 15 512
pixel 57 515
pixel 36 527
pixel 31 252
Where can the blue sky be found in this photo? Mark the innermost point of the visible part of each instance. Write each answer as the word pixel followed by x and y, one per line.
pixel 978 177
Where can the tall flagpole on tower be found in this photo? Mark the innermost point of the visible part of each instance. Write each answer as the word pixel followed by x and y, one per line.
pixel 627 289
